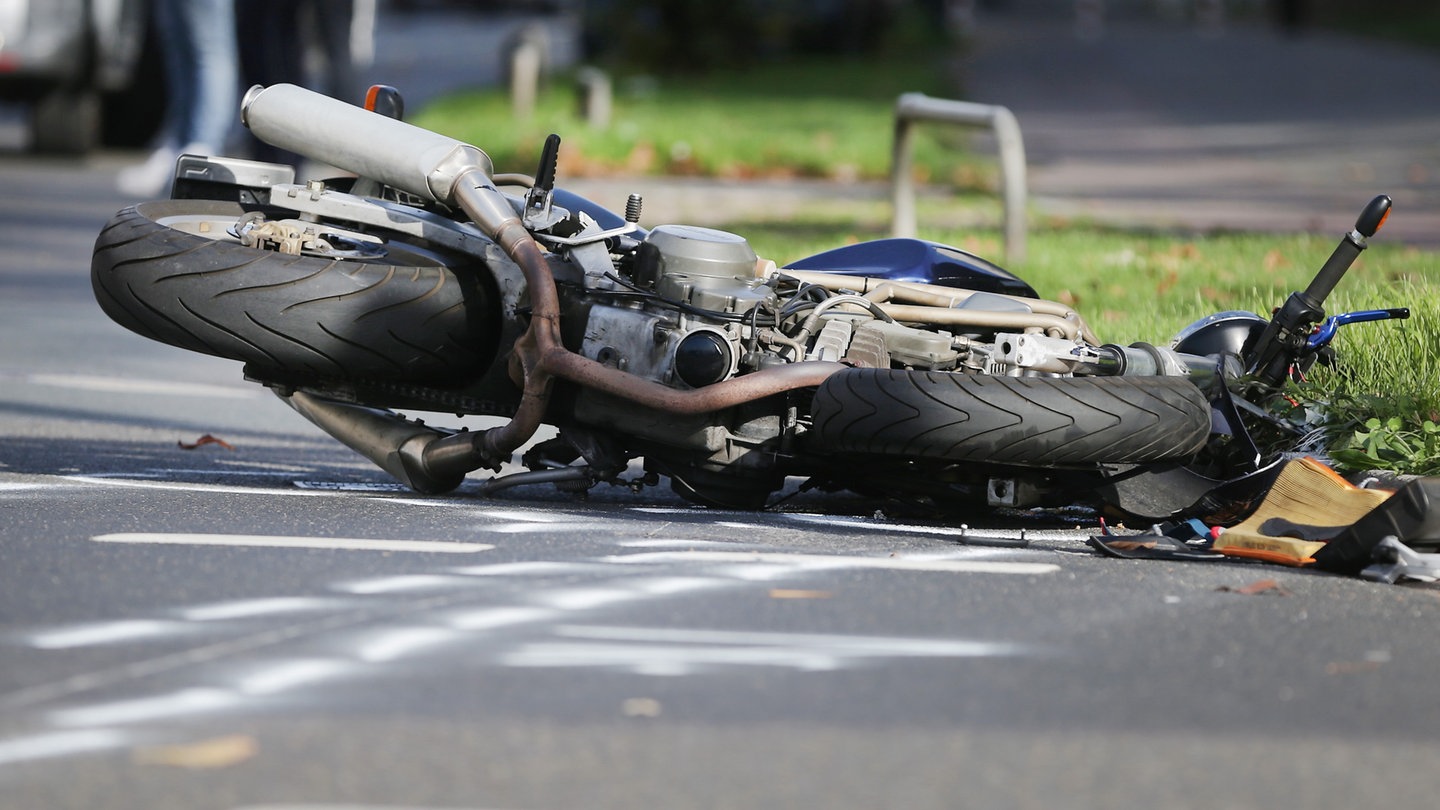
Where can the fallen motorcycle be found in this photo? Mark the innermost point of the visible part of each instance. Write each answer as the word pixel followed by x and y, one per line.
pixel 896 368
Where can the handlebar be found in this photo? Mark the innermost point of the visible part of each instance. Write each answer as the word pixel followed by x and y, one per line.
pixel 1349 249
pixel 1286 336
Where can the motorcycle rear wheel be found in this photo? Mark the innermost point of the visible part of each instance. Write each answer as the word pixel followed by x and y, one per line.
pixel 1020 421
pixel 169 270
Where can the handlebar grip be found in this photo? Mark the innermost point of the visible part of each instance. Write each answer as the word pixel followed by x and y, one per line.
pixel 1333 270
pixel 352 138
pixel 1348 250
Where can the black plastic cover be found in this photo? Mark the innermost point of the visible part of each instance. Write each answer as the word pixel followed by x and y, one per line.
pixel 918 260
pixel 1411 515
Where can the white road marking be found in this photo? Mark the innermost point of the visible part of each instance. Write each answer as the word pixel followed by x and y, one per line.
pixel 495 618
pixel 247 608
pixel 175 704
pixel 527 516
pixel 402 583
pixel 126 385
pixel 16 486
pixel 220 489
pixel 661 651
pixel 289 674
pixel 394 643
pixel 584 598
pixel 534 568
pixel 89 635
pixel 273 541
pixel 60 744
pixel 826 561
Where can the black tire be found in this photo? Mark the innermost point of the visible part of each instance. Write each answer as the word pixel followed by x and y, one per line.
pixel 409 318
pixel 1022 421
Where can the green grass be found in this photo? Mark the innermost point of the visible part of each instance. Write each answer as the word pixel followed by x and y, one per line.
pixel 1144 286
pixel 808 118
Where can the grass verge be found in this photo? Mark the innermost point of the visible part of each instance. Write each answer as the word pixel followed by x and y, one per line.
pixel 802 118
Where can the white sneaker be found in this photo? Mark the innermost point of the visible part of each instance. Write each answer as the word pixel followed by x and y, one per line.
pixel 151 178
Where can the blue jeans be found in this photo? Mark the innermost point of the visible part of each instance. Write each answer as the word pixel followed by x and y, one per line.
pixel 202 71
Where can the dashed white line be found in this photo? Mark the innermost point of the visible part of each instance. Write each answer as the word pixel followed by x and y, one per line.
pixel 125 385
pixel 248 608
pixel 89 635
pixel 274 541
pixel 175 704
pixel 60 744
pixel 817 562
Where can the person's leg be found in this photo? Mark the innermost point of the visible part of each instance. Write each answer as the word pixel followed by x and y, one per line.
pixel 210 30
pixel 334 24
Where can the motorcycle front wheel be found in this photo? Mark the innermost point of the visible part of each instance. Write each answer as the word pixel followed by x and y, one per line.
pixel 173 271
pixel 1020 421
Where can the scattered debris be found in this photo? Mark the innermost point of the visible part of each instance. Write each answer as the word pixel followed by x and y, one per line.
pixel 1188 540
pixel 1310 517
pixel 1307 500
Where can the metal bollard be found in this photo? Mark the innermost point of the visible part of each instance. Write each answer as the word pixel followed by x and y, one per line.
pixel 912 108
pixel 596 97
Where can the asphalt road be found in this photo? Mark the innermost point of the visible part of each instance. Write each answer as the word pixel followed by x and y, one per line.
pixel 277 625
pixel 199 628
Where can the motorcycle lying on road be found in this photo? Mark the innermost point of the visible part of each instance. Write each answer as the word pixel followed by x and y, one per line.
pixel 897 368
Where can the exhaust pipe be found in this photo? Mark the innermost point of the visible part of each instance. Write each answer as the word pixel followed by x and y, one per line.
pixel 427 460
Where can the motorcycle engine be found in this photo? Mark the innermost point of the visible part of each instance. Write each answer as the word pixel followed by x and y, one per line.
pixel 688 335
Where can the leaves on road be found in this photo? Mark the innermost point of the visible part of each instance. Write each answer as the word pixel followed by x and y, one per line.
pixel 216 752
pixel 1263 586
pixel 204 440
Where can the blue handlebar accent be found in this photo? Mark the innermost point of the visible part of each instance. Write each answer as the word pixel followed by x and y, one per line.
pixel 1325 332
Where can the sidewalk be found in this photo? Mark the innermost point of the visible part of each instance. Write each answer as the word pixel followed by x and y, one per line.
pixel 1164 125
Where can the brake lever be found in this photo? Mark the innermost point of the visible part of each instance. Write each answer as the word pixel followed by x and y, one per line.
pixel 1325 332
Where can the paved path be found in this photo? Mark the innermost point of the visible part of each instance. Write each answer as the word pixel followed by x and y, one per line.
pixel 1163 124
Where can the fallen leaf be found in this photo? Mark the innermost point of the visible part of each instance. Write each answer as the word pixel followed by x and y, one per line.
pixel 796 593
pixel 204 440
pixel 217 752
pixel 1274 260
pixel 640 707
pixel 1258 587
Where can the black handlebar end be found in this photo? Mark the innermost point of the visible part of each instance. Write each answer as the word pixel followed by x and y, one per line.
pixel 1373 216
